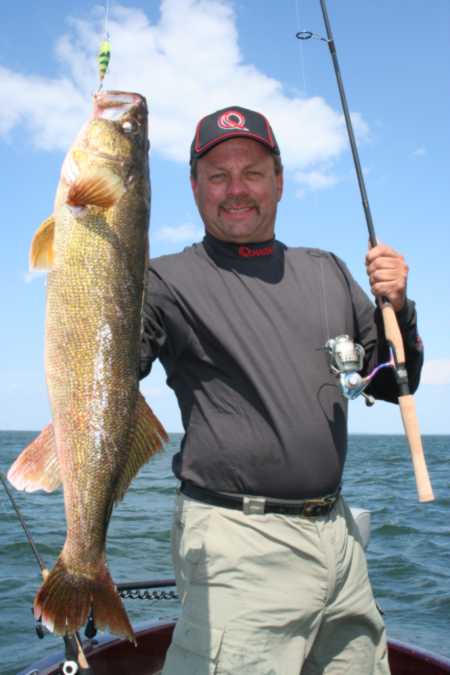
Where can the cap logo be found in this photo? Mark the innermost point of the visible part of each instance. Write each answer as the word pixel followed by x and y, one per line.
pixel 232 119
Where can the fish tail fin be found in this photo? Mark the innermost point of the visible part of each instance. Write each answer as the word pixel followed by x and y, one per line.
pixel 65 599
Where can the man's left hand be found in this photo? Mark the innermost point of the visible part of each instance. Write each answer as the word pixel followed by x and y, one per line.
pixel 388 274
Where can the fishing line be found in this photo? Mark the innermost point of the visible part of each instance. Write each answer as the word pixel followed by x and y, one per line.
pixel 324 300
pixel 104 54
pixel 301 55
pixel 107 19
pixel 73 643
pixel 390 323
pixel 40 561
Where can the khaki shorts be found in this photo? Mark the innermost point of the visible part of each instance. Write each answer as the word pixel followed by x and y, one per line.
pixel 272 595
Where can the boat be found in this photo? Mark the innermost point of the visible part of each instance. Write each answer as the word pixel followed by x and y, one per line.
pixel 114 656
pixel 109 655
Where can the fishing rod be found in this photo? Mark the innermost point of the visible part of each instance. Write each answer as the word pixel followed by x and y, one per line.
pixel 74 649
pixel 390 323
pixel 40 562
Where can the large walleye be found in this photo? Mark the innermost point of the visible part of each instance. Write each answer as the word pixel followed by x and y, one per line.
pixel 95 248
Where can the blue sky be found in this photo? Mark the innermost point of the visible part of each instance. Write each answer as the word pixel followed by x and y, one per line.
pixel 190 57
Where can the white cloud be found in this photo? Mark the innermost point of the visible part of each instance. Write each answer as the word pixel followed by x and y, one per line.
pixel 419 152
pixel 187 64
pixel 314 180
pixel 52 110
pixel 436 371
pixel 179 233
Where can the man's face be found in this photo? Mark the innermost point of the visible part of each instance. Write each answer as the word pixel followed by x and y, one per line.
pixel 237 191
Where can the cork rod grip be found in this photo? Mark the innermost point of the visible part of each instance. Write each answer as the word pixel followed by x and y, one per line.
pixel 408 408
pixel 392 331
pixel 409 417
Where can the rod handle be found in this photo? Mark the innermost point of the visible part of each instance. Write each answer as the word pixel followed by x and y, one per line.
pixel 411 426
pixel 408 407
pixel 392 330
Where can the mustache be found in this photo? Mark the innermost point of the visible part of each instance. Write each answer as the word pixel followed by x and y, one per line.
pixel 239 203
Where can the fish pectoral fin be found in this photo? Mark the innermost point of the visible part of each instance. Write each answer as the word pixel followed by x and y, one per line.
pixel 37 467
pixel 100 187
pixel 147 438
pixel 41 251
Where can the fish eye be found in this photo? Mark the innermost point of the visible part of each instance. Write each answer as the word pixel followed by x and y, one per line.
pixel 129 127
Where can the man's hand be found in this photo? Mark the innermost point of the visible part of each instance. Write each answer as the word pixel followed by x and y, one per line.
pixel 388 274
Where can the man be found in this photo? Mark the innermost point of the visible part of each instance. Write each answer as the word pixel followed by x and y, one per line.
pixel 269 564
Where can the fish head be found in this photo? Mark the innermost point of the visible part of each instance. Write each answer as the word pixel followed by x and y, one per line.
pixel 114 140
pixel 118 127
pixel 104 182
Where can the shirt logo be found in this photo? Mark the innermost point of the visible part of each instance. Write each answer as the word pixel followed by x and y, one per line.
pixel 231 119
pixel 247 252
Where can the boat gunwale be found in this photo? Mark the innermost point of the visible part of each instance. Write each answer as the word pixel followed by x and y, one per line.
pixel 107 642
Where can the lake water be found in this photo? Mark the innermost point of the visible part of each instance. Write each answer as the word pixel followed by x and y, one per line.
pixel 409 551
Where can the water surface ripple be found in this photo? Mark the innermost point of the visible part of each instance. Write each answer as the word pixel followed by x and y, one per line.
pixel 408 553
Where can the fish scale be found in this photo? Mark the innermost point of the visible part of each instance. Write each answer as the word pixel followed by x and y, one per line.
pixel 95 247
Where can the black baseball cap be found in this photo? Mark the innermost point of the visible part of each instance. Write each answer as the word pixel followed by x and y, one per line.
pixel 229 123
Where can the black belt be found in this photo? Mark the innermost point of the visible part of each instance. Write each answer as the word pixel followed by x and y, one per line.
pixel 251 504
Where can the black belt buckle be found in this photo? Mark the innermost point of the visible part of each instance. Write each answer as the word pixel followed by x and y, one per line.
pixel 317 507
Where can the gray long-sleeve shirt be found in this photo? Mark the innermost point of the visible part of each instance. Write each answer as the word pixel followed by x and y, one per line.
pixel 239 331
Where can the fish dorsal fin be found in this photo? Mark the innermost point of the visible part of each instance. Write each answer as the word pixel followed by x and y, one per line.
pixel 41 251
pixel 37 467
pixel 100 187
pixel 147 437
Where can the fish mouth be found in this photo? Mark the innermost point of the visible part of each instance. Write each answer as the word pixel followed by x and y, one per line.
pixel 113 105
